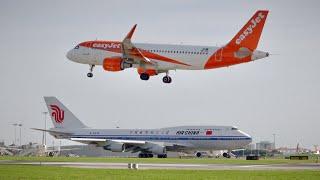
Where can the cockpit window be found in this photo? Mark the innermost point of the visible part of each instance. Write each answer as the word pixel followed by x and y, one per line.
pixel 234 128
pixel 77 47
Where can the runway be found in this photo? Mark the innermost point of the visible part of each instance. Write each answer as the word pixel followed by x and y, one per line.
pixel 306 166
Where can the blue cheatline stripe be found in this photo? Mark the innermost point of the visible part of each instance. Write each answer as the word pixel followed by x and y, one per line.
pixel 150 135
pixel 164 137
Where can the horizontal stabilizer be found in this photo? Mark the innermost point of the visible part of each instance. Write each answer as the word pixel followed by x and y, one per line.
pixel 52 131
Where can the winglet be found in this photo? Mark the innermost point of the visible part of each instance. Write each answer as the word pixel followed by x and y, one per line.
pixel 129 35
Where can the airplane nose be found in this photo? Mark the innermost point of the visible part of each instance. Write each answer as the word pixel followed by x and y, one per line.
pixel 248 137
pixel 69 55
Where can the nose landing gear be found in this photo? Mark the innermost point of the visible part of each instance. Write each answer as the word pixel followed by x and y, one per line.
pixel 90 74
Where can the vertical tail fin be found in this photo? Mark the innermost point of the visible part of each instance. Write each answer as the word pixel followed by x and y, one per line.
pixel 60 115
pixel 242 47
pixel 249 35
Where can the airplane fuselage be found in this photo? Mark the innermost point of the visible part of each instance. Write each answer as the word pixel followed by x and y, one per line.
pixel 192 137
pixel 165 56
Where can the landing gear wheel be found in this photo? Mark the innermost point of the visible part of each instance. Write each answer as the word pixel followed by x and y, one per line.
pixel 167 79
pixel 144 76
pixel 145 155
pixel 162 155
pixel 90 75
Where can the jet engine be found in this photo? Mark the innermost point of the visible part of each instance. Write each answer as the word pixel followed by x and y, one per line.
pixel 115 147
pixel 199 154
pixel 115 64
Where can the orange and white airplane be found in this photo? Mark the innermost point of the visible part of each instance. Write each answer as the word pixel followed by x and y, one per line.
pixel 153 59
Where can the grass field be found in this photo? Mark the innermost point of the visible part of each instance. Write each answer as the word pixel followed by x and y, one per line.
pixel 156 160
pixel 51 172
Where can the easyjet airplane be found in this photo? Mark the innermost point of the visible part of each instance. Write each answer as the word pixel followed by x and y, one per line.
pixel 146 141
pixel 153 59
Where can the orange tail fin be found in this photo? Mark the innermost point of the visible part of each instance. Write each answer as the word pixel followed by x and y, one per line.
pixel 241 47
pixel 250 33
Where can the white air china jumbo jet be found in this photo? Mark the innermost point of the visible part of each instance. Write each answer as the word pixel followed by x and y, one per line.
pixel 153 59
pixel 146 141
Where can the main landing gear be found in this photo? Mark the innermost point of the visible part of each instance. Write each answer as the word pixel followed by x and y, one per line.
pixel 167 79
pixel 144 76
pixel 162 155
pixel 150 155
pixel 90 74
pixel 145 155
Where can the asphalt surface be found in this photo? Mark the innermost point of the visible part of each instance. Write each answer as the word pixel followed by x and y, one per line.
pixel 310 166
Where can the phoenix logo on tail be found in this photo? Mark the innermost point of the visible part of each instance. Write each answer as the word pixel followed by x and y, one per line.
pixel 57 113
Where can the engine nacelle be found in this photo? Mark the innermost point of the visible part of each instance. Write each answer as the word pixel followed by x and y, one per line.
pixel 115 64
pixel 150 72
pixel 115 147
pixel 156 148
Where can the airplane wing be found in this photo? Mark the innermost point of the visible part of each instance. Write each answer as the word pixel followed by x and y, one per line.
pixel 103 142
pixel 133 145
pixel 130 52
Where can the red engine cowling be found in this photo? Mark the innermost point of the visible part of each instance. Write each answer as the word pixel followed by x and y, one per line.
pixel 150 72
pixel 113 64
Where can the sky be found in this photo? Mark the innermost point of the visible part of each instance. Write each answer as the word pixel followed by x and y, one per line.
pixel 276 95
